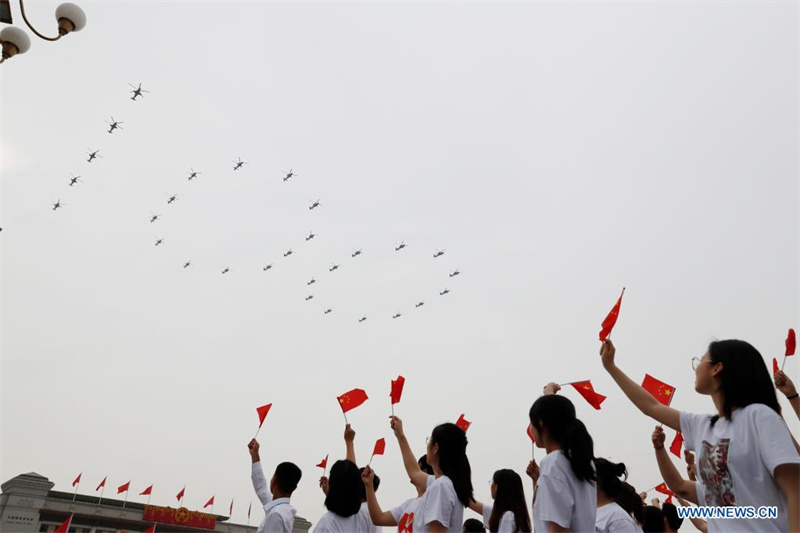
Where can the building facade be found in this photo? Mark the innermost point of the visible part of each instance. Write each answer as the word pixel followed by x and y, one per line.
pixel 28 504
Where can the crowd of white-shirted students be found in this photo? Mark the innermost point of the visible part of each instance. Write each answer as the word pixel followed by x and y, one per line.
pixel 742 455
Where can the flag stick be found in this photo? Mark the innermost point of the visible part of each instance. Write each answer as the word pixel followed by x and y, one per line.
pixel 784 362
pixel 148 498
pixel 76 490
pixel 533 450
pixel 370 460
pixel 345 417
pixel 126 498
pixel 784 359
pixel 102 490
pixel 212 508
pixel 259 429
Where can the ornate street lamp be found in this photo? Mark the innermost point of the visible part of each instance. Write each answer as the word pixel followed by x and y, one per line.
pixel 14 41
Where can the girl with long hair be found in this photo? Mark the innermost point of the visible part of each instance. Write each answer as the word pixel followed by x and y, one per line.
pixel 509 513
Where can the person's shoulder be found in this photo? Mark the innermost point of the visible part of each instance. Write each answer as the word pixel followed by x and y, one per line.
pixel 760 410
pixel 443 481
pixel 554 462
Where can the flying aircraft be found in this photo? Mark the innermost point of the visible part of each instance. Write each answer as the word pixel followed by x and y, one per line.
pixel 327 311
pixel 92 155
pixel 334 267
pixel 402 245
pixel 172 199
pixel 362 319
pixel 154 218
pixel 356 253
pixel 114 125
pixel 313 281
pixel 186 264
pixel 73 180
pixel 238 164
pixel 57 205
pixel 314 205
pixel 420 304
pixel 311 235
pixel 455 273
pixel 226 270
pixel 193 174
pixel 159 241
pixel 444 292
pixel 269 266
pixel 309 297
pixel 137 91
pixel 398 315
pixel 288 253
pixel 289 175
pixel 438 254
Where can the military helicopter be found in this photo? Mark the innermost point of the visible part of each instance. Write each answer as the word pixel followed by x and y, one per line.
pixel 159 241
pixel 172 199
pixel 57 205
pixel 267 267
pixel 309 297
pixel 92 155
pixel 137 91
pixel 398 315
pixel 289 175
pixel 186 264
pixel 420 304
pixel 238 164
pixel 114 125
pixel 154 218
pixel 73 180
pixel 402 245
pixel 439 253
pixel 288 253
pixel 314 205
pixel 311 235
pixel 334 267
pixel 226 270
pixel 327 311
pixel 455 273
pixel 311 282
pixel 446 291
pixel 356 253
pixel 362 319
pixel 193 174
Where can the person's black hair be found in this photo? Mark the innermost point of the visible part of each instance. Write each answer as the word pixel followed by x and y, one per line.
pixel 557 413
pixel 343 497
pixel 287 476
pixel 608 476
pixel 630 500
pixel 453 461
pixel 424 466
pixel 376 482
pixel 510 497
pixel 745 378
pixel 671 516
pixel 473 525
pixel 652 520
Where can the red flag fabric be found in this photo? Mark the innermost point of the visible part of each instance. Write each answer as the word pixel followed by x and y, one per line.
pixel 463 423
pixel 397 389
pixel 64 528
pixel 677 444
pixel 181 493
pixel 530 434
pixel 230 511
pixel 262 413
pixel 102 484
pixel 791 343
pixel 660 390
pixel 124 487
pixel 146 492
pixel 209 502
pixel 586 390
pixel 611 319
pixel 775 366
pixel 151 529
pixel 352 399
pixel 663 489
pixel 77 479
pixel 669 499
pixel 323 463
pixel 380 447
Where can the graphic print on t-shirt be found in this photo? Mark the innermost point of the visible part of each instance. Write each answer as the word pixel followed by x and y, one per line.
pixel 713 469
pixel 406 523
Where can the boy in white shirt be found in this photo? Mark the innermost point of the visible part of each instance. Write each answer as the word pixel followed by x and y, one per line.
pixel 275 499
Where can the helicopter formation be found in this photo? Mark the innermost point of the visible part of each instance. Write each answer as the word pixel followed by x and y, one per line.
pixel 114 125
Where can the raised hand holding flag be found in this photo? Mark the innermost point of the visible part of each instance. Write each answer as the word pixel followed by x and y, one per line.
pixel 611 319
pixel 323 465
pixel 791 345
pixel 397 390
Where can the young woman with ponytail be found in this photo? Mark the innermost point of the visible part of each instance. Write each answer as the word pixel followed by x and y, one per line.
pixel 566 495
pixel 611 518
pixel 509 514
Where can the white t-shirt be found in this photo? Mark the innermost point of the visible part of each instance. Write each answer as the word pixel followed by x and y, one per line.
pixel 333 523
pixel 439 504
pixel 404 514
pixel 561 498
pixel 280 514
pixel 506 524
pixel 736 460
pixel 611 518
pixel 365 521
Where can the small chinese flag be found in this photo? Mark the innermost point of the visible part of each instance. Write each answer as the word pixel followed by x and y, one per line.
pixel 586 390
pixel 530 433
pixel 775 367
pixel 262 413
pixel 380 447
pixel 611 319
pixel 230 512
pixel 102 484
pixel 64 528
pixel 351 400
pixel 791 343
pixel 669 499
pixel 147 492
pixel 181 493
pixel 124 488
pixel 397 389
pixel 151 529
pixel 77 479
pixel 209 502
pixel 660 390
pixel 663 489
pixel 463 423
pixel 323 463
pixel 676 445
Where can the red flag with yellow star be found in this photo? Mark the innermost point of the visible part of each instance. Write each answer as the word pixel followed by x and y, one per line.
pixel 660 390
pixel 586 390
pixel 351 400
pixel 663 489
pixel 611 319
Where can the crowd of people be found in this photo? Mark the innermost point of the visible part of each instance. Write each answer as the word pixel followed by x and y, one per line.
pixel 743 455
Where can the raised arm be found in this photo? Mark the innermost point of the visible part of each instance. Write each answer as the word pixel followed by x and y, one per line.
pixel 642 399
pixel 786 386
pixel 669 472
pixel 349 439
pixel 533 472
pixel 257 474
pixel 699 523
pixel 378 516
pixel 476 506
pixel 415 473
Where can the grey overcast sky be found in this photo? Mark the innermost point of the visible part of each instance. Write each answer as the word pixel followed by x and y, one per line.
pixel 556 151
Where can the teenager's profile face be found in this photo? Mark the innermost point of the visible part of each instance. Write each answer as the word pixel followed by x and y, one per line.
pixel 704 375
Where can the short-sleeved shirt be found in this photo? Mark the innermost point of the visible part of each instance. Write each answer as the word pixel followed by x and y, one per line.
pixel 611 518
pixel 561 498
pixel 365 520
pixel 736 461
pixel 404 514
pixel 506 524
pixel 333 523
pixel 440 503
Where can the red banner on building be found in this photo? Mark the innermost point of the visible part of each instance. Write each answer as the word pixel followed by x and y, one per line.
pixel 182 517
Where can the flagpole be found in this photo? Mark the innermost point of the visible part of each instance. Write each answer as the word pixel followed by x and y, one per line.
pixel 148 497
pixel 126 498
pixel 103 489
pixel 784 362
pixel 76 491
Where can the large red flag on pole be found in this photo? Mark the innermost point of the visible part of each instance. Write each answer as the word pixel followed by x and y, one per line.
pixel 658 389
pixel 151 529
pixel 147 491
pixel 209 502
pixel 102 484
pixel 586 390
pixel 124 487
pixel 463 423
pixel 64 528
pixel 611 319
pixel 77 480
pixel 181 494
